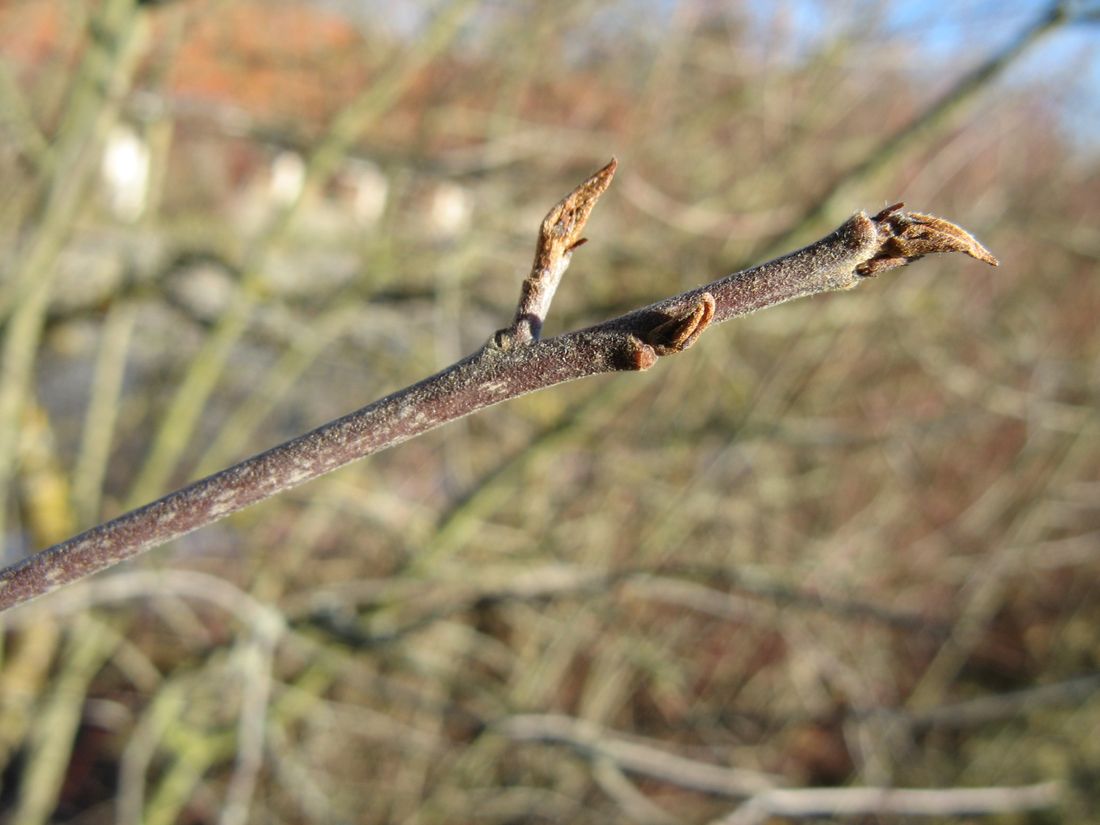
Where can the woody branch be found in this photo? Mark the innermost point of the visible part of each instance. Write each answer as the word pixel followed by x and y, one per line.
pixel 513 362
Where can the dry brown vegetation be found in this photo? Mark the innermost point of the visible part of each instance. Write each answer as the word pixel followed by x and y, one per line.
pixel 852 542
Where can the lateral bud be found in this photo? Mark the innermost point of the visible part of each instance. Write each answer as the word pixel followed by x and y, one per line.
pixel 682 330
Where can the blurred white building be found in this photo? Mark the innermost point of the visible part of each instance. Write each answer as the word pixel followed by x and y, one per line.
pixel 125 173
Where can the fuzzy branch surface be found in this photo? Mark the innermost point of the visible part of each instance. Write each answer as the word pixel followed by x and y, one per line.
pixel 514 362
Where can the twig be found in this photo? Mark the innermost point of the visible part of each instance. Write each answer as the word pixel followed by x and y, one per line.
pixel 833 802
pixel 559 235
pixel 16 116
pixel 635 756
pixel 398 608
pixel 1000 706
pixel 105 73
pixel 48 749
pixel 99 421
pixel 509 365
pixel 254 661
pixel 638 807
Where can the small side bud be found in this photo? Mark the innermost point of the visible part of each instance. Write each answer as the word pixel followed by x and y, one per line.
pixel 642 356
pixel 680 332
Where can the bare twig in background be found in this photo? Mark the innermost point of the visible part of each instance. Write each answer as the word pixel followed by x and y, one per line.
pixel 1001 706
pixel 514 363
pixel 15 117
pixel 261 620
pixel 804 803
pixel 635 756
pixel 424 601
pixel 254 660
pixel 103 77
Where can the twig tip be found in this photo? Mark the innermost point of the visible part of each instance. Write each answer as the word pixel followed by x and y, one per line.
pixel 907 236
pixel 559 235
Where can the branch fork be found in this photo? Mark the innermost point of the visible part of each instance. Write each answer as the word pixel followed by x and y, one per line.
pixel 560 234
pixel 514 362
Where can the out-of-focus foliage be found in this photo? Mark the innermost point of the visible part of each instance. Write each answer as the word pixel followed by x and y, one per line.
pixel 850 541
